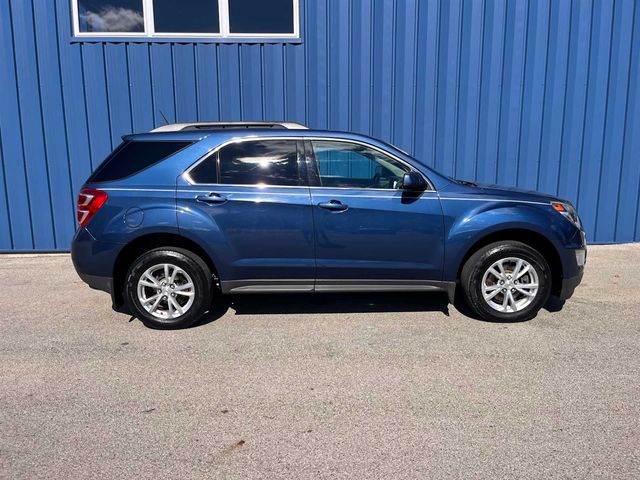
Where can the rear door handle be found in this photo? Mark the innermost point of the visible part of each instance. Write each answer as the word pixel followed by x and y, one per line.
pixel 211 198
pixel 334 205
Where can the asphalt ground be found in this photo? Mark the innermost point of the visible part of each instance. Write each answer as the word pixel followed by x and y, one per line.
pixel 328 386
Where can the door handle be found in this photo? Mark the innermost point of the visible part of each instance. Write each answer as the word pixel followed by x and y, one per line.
pixel 334 205
pixel 211 198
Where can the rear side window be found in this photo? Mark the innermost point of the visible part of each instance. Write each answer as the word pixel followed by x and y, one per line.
pixel 132 157
pixel 267 162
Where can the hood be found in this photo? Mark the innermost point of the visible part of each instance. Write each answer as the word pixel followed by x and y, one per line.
pixel 496 191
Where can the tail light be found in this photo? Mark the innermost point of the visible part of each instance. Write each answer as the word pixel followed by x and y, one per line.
pixel 89 202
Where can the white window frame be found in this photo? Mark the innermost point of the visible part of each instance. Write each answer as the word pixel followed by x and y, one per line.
pixel 149 27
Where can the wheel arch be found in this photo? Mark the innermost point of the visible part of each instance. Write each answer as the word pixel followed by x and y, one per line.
pixel 144 243
pixel 529 237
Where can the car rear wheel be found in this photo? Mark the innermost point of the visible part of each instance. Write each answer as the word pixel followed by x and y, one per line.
pixel 168 288
pixel 506 281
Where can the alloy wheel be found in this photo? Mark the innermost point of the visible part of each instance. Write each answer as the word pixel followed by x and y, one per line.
pixel 510 285
pixel 166 291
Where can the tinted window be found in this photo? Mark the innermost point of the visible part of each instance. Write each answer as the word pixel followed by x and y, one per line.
pixel 260 16
pixel 186 16
pixel 206 171
pixel 132 157
pixel 349 165
pixel 269 162
pixel 110 16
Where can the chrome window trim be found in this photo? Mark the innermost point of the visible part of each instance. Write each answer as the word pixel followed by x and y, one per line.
pixel 213 151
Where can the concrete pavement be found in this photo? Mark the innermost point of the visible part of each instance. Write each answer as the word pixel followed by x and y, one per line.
pixel 341 386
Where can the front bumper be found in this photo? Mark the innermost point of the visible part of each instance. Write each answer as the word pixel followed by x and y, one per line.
pixel 578 261
pixel 569 285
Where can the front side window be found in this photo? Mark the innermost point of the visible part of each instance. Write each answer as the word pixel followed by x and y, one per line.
pixel 264 162
pixel 187 18
pixel 351 165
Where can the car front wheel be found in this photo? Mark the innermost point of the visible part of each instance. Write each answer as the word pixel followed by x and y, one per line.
pixel 506 281
pixel 169 288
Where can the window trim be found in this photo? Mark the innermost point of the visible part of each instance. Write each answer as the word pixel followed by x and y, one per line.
pixel 150 34
pixel 214 151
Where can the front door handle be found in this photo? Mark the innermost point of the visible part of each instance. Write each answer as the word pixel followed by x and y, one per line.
pixel 211 198
pixel 334 205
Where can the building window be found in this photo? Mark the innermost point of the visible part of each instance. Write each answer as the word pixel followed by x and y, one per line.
pixel 117 16
pixel 260 16
pixel 186 18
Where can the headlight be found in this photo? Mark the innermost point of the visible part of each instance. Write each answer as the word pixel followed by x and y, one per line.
pixel 568 212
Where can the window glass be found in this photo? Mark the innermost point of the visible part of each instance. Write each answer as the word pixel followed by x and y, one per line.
pixel 206 171
pixel 124 16
pixel 186 16
pixel 193 18
pixel 132 157
pixel 261 16
pixel 349 165
pixel 268 162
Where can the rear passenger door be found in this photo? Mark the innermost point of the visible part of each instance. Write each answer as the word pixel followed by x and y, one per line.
pixel 250 204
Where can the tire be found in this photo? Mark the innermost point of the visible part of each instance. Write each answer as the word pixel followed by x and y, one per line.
pixel 168 305
pixel 486 296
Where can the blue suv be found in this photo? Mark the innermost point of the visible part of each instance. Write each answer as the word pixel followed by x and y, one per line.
pixel 178 214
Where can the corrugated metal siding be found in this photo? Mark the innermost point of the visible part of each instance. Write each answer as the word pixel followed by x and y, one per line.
pixel 542 94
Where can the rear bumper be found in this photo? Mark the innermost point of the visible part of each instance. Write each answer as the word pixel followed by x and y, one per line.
pixel 94 260
pixel 96 282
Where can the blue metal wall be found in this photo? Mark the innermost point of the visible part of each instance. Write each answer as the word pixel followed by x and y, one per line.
pixel 536 94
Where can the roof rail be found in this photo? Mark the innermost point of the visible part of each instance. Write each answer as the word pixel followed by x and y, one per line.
pixel 176 127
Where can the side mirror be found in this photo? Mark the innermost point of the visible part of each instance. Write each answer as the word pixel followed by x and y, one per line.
pixel 414 182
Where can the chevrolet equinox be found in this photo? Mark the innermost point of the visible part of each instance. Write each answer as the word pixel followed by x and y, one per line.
pixel 178 214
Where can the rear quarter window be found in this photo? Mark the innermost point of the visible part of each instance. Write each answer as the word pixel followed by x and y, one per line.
pixel 132 157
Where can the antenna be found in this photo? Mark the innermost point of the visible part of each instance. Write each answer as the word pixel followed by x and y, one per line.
pixel 163 116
